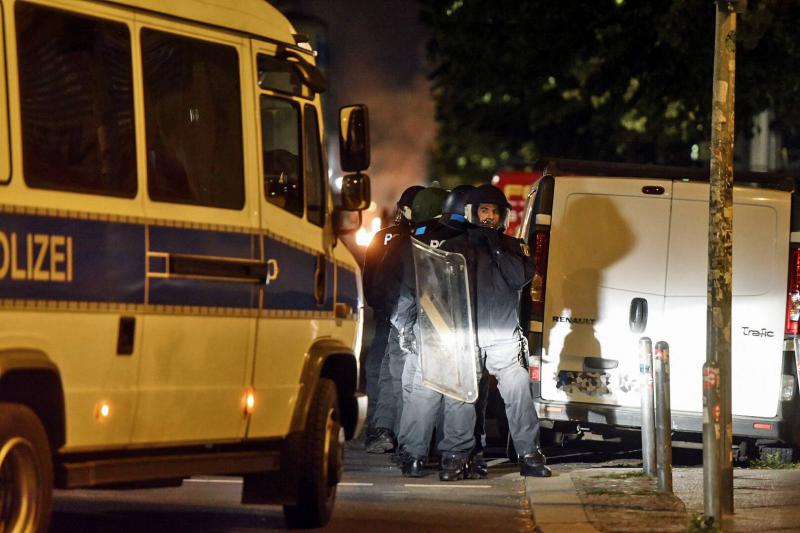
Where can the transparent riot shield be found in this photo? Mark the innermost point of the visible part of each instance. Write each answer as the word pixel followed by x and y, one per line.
pixel 446 333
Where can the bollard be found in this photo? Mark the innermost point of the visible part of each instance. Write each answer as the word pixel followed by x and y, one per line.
pixel 648 415
pixel 663 418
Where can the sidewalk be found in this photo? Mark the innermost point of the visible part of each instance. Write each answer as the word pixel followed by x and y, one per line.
pixel 621 499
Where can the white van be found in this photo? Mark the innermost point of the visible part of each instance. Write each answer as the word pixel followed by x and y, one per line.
pixel 603 234
pixel 173 300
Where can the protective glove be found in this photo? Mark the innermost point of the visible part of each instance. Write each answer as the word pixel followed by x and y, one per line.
pixel 489 236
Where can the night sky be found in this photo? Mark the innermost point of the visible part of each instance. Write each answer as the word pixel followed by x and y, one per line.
pixel 376 56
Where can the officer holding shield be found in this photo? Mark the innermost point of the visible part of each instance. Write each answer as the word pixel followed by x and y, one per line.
pixel 499 267
pixel 426 204
pixel 422 410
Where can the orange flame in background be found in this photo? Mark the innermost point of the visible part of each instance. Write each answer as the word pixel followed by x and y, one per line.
pixel 369 229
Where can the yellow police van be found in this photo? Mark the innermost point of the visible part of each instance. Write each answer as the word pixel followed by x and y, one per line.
pixel 173 301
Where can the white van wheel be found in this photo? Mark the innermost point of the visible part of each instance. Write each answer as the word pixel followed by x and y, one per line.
pixel 321 464
pixel 26 471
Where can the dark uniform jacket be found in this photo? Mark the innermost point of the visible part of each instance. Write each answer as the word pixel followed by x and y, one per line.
pixel 404 283
pixel 499 266
pixel 376 268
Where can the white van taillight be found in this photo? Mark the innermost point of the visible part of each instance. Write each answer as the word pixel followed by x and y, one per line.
pixel 541 244
pixel 535 367
pixel 793 293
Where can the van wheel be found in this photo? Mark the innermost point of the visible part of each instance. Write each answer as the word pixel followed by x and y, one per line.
pixel 322 462
pixel 26 470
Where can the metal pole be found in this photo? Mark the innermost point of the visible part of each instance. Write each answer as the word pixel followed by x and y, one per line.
pixel 648 415
pixel 663 418
pixel 797 359
pixel 720 216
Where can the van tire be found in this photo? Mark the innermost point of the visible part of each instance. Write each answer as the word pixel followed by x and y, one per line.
pixel 319 467
pixel 26 470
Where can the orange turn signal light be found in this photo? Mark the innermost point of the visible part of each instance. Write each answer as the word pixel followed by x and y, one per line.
pixel 249 401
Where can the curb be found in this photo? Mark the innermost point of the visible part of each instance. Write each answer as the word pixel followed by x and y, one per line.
pixel 556 506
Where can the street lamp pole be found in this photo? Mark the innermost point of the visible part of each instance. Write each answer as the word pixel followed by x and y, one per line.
pixel 717 415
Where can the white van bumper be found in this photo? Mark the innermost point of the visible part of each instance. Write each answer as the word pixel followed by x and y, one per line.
pixel 603 416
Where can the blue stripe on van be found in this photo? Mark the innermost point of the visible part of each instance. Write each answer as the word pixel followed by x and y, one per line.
pixel 348 288
pixel 204 293
pixel 329 273
pixel 202 242
pixel 294 287
pixel 101 261
pixel 55 258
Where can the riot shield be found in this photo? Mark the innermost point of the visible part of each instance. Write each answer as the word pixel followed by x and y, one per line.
pixel 446 334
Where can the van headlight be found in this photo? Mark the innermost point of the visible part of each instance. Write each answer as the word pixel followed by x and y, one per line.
pixel 787 390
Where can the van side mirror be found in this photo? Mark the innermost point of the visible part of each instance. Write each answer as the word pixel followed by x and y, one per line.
pixel 354 138
pixel 355 195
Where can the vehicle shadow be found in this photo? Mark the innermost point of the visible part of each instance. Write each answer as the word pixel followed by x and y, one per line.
pixel 92 516
pixel 593 236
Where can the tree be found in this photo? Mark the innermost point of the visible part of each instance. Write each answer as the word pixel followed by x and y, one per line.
pixel 617 80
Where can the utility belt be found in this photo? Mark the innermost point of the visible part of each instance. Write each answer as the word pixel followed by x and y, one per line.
pixel 518 339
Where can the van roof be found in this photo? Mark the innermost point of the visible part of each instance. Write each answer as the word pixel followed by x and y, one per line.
pixel 782 180
pixel 253 17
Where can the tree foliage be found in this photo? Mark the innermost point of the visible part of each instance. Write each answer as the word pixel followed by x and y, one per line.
pixel 617 80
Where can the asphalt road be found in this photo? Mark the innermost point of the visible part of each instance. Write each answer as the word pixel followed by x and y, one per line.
pixel 372 497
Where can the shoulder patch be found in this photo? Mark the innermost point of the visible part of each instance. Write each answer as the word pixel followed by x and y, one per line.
pixel 525 250
pixel 420 230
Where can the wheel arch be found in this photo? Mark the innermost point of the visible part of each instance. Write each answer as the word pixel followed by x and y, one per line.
pixel 30 378
pixel 332 359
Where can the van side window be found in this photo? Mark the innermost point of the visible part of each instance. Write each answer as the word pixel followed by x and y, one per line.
pixel 281 76
pixel 193 121
pixel 280 144
pixel 315 170
pixel 76 102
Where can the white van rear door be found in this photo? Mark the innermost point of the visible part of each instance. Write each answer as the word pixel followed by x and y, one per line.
pixel 760 258
pixel 607 246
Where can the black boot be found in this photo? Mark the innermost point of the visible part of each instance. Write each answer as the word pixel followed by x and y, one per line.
pixel 413 466
pixel 533 464
pixel 398 456
pixel 381 442
pixel 454 467
pixel 478 469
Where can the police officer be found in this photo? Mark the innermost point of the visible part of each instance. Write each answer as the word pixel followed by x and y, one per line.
pixel 427 203
pixel 499 267
pixel 421 412
pixel 383 241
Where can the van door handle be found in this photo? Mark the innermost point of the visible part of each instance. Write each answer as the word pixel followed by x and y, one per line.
pixel 637 318
pixel 319 280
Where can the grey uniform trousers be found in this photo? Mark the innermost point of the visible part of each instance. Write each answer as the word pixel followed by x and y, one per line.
pixel 372 365
pixel 422 413
pixel 391 393
pixel 514 384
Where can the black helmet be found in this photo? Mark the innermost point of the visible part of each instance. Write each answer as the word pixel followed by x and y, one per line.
pixel 456 199
pixel 404 203
pixel 486 194
pixel 428 204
